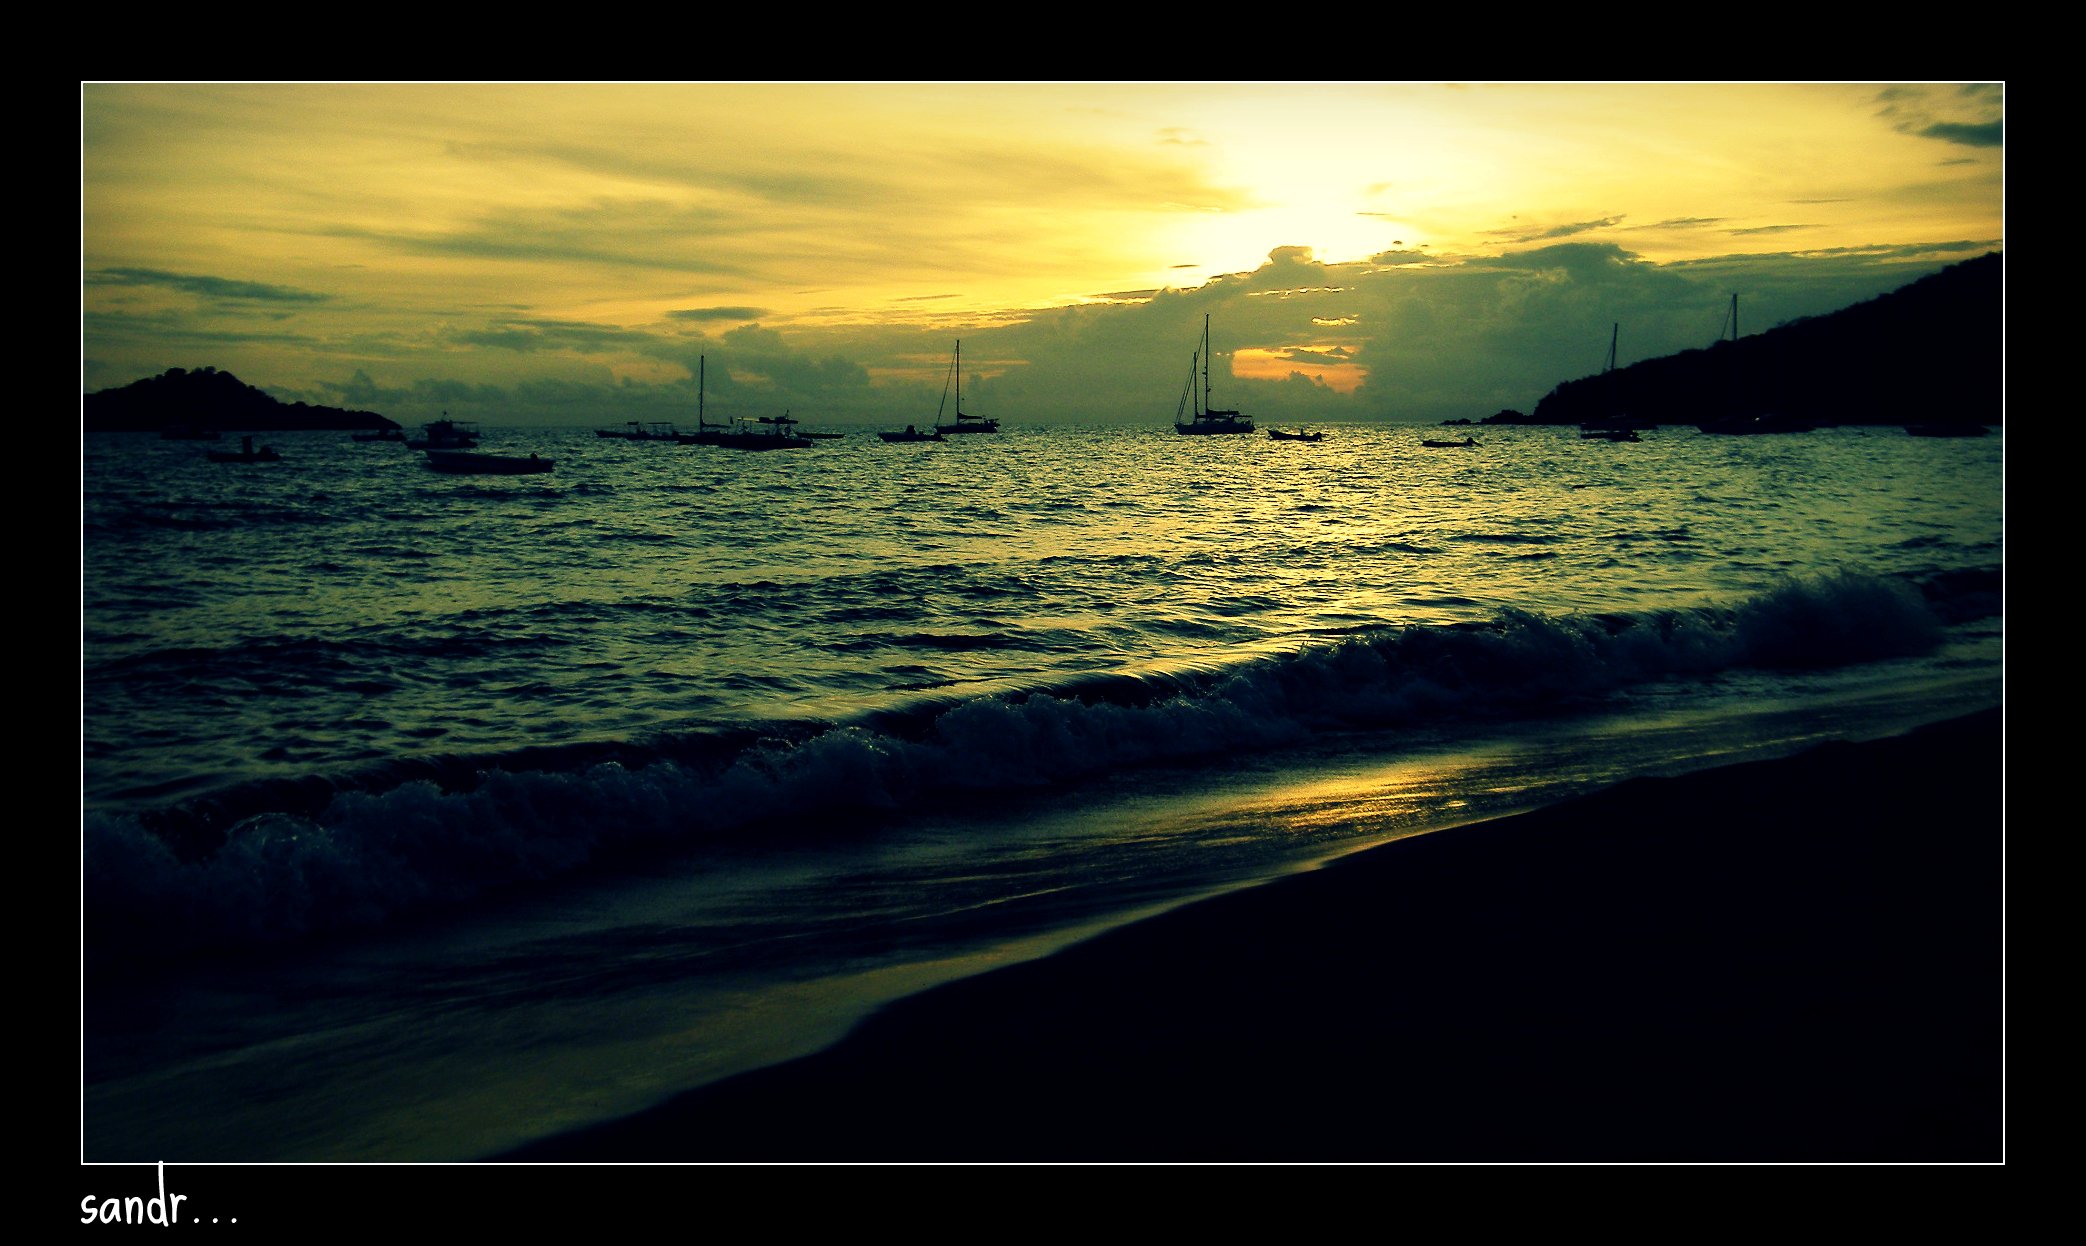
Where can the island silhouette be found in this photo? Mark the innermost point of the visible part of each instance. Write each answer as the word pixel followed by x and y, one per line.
pixel 207 399
pixel 1924 353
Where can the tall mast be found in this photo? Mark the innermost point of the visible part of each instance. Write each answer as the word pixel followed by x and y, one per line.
pixel 959 380
pixel 1205 361
pixel 1613 334
pixel 702 363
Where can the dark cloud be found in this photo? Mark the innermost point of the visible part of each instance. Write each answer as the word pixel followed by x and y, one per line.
pixel 538 335
pixel 1769 229
pixel 634 235
pixel 1585 261
pixel 715 313
pixel 360 392
pixel 1969 114
pixel 1685 222
pixel 1986 134
pixel 1400 257
pixel 206 286
pixel 1556 231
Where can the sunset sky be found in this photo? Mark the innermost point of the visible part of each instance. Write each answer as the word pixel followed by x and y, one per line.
pixel 564 254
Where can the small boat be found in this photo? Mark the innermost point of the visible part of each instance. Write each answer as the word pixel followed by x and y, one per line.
pixel 1276 434
pixel 1206 420
pixel 1617 427
pixel 655 430
pixel 740 433
pixel 1739 425
pixel 382 434
pixel 445 434
pixel 1468 443
pixel 964 423
pixel 913 434
pixel 246 453
pixel 807 434
pixel 768 432
pixel 478 463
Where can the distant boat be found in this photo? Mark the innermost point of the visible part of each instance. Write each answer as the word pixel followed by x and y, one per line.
pixel 246 453
pixel 478 463
pixel 1735 424
pixel 808 435
pixel 1276 434
pixel 382 434
pixel 912 434
pixel 655 430
pixel 1206 420
pixel 739 433
pixel 766 433
pixel 445 434
pixel 1616 422
pixel 964 423
pixel 1949 428
pixel 706 433
pixel 1468 443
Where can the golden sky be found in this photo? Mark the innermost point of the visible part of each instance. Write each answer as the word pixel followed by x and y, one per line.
pixel 565 252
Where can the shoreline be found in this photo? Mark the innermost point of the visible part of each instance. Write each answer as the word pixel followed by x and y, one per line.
pixel 1794 960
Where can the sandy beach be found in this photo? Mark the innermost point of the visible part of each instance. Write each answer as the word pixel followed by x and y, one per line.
pixel 1798 960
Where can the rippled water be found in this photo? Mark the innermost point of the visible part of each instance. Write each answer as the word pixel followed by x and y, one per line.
pixel 348 607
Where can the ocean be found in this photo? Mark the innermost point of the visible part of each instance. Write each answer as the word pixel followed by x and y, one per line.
pixel 425 815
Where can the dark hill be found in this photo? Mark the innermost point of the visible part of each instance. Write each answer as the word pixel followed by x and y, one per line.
pixel 1931 351
pixel 209 399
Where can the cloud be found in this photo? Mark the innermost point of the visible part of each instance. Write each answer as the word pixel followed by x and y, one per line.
pixel 648 235
pixel 715 313
pixel 359 392
pixel 535 335
pixel 1556 231
pixel 1769 229
pixel 205 286
pixel 1984 134
pixel 1968 114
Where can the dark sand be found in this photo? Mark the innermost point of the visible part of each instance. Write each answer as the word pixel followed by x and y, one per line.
pixel 1796 960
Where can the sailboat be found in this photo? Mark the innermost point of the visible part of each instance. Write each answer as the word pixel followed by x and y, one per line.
pixel 1617 427
pixel 1206 420
pixel 964 423
pixel 1737 423
pixel 741 433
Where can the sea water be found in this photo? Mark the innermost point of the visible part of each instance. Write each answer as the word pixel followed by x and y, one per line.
pixel 425 814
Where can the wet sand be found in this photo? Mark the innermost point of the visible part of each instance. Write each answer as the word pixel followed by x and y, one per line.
pixel 1798 960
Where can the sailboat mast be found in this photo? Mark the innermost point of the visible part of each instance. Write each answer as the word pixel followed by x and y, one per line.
pixel 1613 335
pixel 958 365
pixel 702 363
pixel 1205 363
